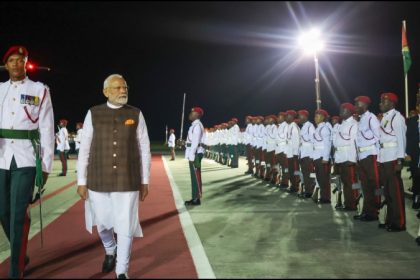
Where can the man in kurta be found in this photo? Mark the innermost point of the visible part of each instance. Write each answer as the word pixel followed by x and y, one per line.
pixel 194 154
pixel 113 171
pixel 26 151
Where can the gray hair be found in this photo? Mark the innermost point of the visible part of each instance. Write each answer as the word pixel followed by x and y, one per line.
pixel 110 77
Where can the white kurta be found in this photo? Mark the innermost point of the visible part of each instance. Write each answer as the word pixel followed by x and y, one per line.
pixel 118 210
pixel 35 97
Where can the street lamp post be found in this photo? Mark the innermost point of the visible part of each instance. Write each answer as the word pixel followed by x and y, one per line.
pixel 317 86
pixel 311 43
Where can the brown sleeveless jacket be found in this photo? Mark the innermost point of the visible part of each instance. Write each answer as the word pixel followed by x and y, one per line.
pixel 114 161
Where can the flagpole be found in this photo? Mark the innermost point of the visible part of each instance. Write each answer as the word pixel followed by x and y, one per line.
pixel 406 81
pixel 182 117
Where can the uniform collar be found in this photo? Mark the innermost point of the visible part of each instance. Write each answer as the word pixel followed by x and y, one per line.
pixel 25 80
pixel 365 114
pixel 348 120
pixel 321 124
pixel 112 106
pixel 196 121
pixel 389 112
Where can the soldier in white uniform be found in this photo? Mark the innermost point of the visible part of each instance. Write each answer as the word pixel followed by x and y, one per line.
pixel 271 132
pixel 391 155
pixel 247 142
pixel 63 145
pixel 171 143
pixel 292 150
pixel 26 151
pixel 113 170
pixel 79 128
pixel 194 153
pixel 367 142
pixel 345 156
pixel 259 138
pixel 306 150
pixel 321 156
pixel 234 135
pixel 281 159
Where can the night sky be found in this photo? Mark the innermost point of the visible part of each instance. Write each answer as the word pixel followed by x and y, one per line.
pixel 231 58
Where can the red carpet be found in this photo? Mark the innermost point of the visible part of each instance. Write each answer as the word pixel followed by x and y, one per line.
pixel 71 252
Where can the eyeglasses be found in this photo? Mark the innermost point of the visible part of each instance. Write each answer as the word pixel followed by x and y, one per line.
pixel 119 88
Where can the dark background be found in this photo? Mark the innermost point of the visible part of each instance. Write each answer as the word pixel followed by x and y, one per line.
pixel 231 58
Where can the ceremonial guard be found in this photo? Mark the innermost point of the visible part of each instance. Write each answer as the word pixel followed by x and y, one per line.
pixel 234 132
pixel 306 150
pixel 292 150
pixel 27 151
pixel 259 155
pixel 271 132
pixel 391 155
pixel 345 156
pixel 194 154
pixel 367 142
pixel 171 143
pixel 78 138
pixel 281 139
pixel 63 145
pixel 321 156
pixel 248 143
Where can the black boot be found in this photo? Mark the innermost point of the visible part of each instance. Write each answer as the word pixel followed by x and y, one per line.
pixel 109 263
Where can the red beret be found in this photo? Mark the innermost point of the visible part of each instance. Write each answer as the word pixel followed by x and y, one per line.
pixel 197 110
pixel 234 119
pixel 261 118
pixel 348 106
pixel 303 112
pixel 322 112
pixel 282 114
pixel 291 112
pixel 249 117
pixel 15 50
pixel 64 121
pixel 391 96
pixel 364 99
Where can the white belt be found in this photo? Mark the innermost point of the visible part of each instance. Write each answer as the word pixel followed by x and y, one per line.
pixel 342 148
pixel 389 145
pixel 282 143
pixel 304 144
pixel 319 147
pixel 367 148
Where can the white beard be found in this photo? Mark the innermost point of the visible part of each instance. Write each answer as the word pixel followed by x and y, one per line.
pixel 122 101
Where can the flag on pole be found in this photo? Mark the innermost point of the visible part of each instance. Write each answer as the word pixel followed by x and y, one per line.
pixel 405 50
